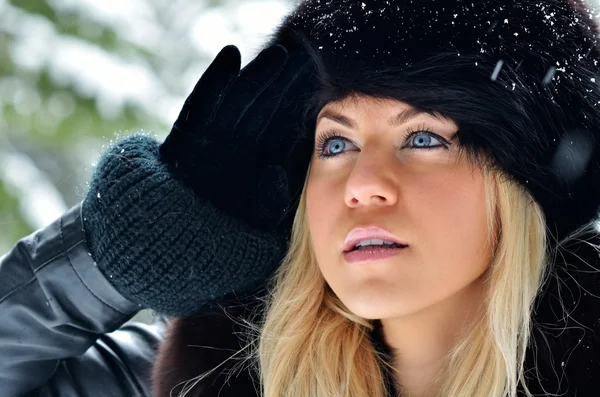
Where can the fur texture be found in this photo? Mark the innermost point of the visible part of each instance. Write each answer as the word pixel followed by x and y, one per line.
pixel 196 344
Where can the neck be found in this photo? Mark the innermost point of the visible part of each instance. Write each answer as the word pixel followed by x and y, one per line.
pixel 421 341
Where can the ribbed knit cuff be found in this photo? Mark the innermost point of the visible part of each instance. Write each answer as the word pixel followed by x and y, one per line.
pixel 161 245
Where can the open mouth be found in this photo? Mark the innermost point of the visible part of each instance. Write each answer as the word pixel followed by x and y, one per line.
pixel 376 247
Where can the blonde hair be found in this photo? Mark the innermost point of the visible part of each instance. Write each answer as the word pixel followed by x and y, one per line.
pixel 308 344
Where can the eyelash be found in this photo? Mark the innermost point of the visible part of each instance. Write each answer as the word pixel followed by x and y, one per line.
pixel 328 136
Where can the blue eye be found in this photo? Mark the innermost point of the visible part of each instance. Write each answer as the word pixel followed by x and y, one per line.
pixel 336 146
pixel 423 140
pixel 331 144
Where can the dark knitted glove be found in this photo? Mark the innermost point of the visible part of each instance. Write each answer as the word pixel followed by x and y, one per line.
pixel 238 139
pixel 161 245
pixel 209 216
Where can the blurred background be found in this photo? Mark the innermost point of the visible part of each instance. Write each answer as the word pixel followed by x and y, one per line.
pixel 78 74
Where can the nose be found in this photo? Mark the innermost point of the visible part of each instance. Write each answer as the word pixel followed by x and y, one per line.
pixel 371 182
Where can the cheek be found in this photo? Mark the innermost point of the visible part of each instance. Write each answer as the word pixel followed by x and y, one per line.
pixel 451 215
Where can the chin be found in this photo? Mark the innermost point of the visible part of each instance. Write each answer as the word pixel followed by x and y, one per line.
pixel 379 307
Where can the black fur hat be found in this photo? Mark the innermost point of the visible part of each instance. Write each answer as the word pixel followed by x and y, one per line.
pixel 520 77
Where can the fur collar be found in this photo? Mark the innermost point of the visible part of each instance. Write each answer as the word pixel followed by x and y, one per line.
pixel 198 343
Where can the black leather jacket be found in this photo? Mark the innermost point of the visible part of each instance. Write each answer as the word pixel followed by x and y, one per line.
pixel 61 322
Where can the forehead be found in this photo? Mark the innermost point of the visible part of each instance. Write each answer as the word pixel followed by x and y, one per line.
pixel 354 110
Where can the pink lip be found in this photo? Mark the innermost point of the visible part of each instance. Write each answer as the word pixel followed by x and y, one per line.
pixel 370 255
pixel 371 232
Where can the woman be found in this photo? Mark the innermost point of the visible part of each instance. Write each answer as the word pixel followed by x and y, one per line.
pixel 464 133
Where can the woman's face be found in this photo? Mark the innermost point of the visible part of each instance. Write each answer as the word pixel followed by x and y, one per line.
pixel 400 170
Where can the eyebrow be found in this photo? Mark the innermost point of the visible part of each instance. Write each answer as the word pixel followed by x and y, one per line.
pixel 399 119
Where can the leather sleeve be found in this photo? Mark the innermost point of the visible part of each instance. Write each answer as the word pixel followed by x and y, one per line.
pixel 61 321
